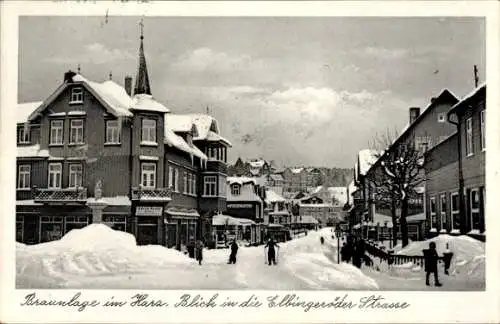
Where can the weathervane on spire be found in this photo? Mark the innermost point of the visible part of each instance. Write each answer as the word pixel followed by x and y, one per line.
pixel 141 24
pixel 110 75
pixel 78 68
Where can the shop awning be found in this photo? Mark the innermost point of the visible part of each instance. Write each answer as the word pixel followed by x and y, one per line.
pixel 220 220
pixel 180 213
pixel 307 219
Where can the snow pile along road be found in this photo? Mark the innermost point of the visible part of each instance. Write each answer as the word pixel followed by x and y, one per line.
pixel 90 251
pixel 468 254
pixel 316 263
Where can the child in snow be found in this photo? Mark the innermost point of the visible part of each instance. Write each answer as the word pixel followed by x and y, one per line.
pixel 431 259
pixel 234 251
pixel 271 252
pixel 199 251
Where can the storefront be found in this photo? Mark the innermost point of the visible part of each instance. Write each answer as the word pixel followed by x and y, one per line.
pixel 181 227
pixel 148 224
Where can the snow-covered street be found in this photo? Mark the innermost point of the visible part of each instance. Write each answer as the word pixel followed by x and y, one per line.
pixel 98 257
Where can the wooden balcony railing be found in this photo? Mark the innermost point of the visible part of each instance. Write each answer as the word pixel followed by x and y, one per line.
pixel 47 195
pixel 151 194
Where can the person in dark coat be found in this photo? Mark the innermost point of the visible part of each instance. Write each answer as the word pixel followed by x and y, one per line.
pixel 199 251
pixel 345 253
pixel 431 260
pixel 271 251
pixel 234 251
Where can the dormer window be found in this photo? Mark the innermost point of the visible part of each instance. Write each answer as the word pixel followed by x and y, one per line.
pixel 235 189
pixel 76 95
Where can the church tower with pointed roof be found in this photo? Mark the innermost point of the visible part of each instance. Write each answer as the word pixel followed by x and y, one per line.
pixel 142 78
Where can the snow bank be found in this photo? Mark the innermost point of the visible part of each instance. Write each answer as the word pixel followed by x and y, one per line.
pixel 463 246
pixel 93 250
pixel 316 263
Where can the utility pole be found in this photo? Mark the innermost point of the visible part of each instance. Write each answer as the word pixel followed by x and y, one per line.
pixel 476 77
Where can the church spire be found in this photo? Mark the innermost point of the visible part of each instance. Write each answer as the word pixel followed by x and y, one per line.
pixel 142 78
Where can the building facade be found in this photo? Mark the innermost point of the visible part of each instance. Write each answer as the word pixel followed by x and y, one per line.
pixel 424 131
pixel 100 153
pixel 456 169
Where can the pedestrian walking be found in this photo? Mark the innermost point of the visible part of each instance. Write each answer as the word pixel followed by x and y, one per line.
pixel 271 251
pixel 322 240
pixel 199 251
pixel 431 260
pixel 234 251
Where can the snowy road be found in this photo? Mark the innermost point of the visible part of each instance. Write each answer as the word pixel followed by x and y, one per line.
pixel 304 264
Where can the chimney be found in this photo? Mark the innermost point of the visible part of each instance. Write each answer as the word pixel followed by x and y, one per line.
pixel 128 85
pixel 414 113
pixel 433 99
pixel 68 76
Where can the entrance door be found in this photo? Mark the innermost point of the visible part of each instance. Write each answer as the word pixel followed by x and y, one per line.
pixel 147 234
pixel 147 230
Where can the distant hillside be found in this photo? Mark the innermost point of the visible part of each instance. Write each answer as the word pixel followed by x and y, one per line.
pixel 331 177
pixel 336 177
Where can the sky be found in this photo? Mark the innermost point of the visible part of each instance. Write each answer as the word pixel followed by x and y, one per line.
pixel 300 91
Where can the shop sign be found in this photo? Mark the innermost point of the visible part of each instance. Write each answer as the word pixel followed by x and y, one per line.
pixel 149 211
pixel 239 206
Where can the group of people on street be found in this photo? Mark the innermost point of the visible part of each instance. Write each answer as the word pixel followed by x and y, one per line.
pixel 353 249
pixel 271 246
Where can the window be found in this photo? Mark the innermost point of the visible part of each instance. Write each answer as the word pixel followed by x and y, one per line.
pixel 112 132
pixel 23 180
pixel 443 211
pixel 235 189
pixel 148 175
pixel 433 212
pixel 455 211
pixel 23 135
pixel 185 177
pixel 210 186
pixel 173 178
pixel 474 209
pixel 19 228
pixel 75 222
pixel 193 187
pixel 148 130
pixel 483 133
pixel 76 95
pixel 468 137
pixel 441 118
pixel 56 132
pixel 75 175
pixel 76 131
pixel 55 171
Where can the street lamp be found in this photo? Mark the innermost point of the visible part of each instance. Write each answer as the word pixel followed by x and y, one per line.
pixel 337 234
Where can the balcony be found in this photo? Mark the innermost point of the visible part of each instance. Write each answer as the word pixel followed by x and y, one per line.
pixel 60 195
pixel 152 194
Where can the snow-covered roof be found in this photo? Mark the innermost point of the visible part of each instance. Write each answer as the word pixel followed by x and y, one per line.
pixel 113 94
pixel 247 193
pixel 257 163
pixel 469 95
pixel 31 151
pixel 219 220
pixel 317 190
pixel 214 137
pixel 366 159
pixel 112 201
pixel 254 172
pixel 25 109
pixel 178 142
pixel 275 176
pixel 297 170
pixel 339 193
pixel 204 124
pixel 241 180
pixel 179 123
pixel 272 196
pixel 146 102
pixel 315 205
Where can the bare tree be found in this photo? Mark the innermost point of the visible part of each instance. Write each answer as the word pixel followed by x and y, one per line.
pixel 396 179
